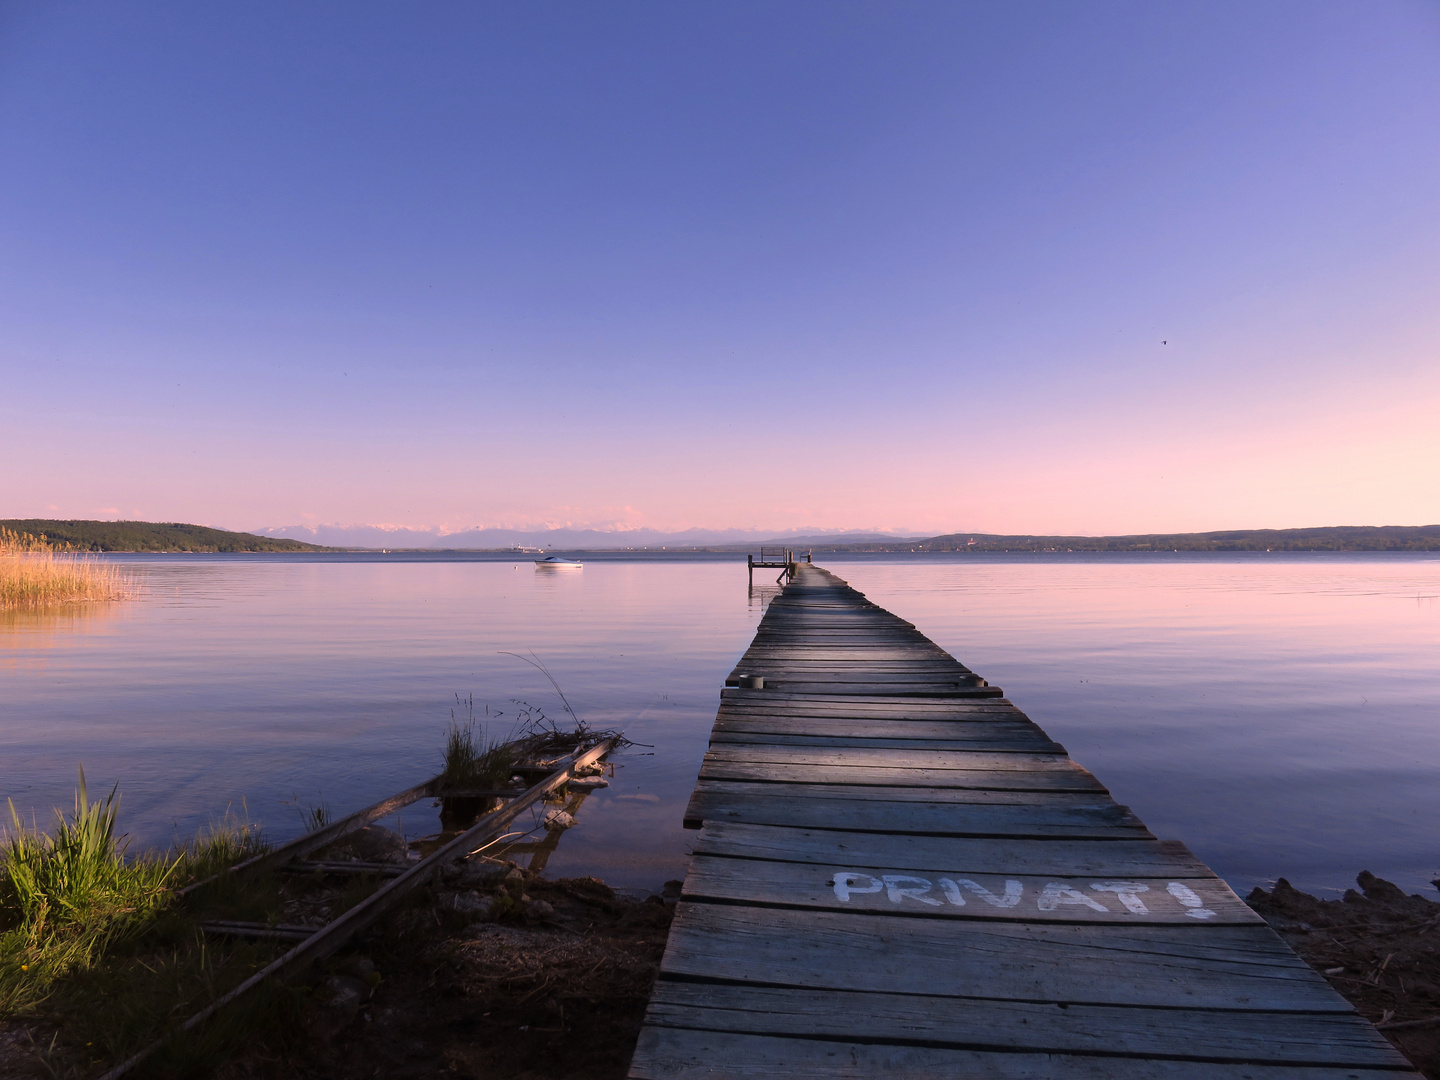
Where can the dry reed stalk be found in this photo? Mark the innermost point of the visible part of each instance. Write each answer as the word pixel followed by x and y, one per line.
pixel 35 573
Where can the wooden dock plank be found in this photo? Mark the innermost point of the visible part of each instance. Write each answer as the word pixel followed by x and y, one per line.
pixel 861 659
pixel 673 1054
pixel 997 742
pixel 877 706
pixel 668 1053
pixel 983 814
pixel 918 652
pixel 1192 967
pixel 941 892
pixel 1056 779
pixel 887 677
pixel 1231 1035
pixel 921 710
pixel 897 872
pixel 890 758
pixel 964 710
pixel 960 855
pixel 949 798
pixel 842 727
pixel 918 689
pixel 865 657
pixel 847 702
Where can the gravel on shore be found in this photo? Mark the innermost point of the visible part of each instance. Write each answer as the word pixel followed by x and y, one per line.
pixel 1379 947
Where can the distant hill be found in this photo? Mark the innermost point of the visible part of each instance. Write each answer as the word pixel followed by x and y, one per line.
pixel 149 536
pixel 1332 538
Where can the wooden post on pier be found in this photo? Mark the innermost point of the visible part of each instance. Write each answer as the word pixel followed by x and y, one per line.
pixel 898 874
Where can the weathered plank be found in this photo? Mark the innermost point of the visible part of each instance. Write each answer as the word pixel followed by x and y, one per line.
pixel 917 811
pixel 943 892
pixel 844 666
pixel 887 652
pixel 811 721
pixel 862 660
pixel 965 855
pixel 995 742
pixel 887 677
pixel 1056 779
pixel 919 688
pixel 665 1053
pixel 899 873
pixel 1232 1035
pixel 1192 967
pixel 888 758
pixel 723 790
pixel 735 720
pixel 841 676
pixel 959 711
pixel 843 636
pixel 898 725
pixel 872 705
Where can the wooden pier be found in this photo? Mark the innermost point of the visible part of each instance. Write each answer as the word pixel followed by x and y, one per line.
pixel 778 558
pixel 898 874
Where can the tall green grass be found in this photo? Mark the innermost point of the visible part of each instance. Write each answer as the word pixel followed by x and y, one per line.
pixel 67 896
pixel 473 761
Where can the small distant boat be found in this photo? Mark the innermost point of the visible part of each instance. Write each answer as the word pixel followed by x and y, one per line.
pixel 554 562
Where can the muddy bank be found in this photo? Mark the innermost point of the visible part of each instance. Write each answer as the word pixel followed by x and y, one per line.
pixel 493 972
pixel 497 974
pixel 1378 947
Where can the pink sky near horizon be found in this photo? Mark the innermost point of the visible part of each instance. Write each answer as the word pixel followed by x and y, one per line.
pixel 1362 458
pixel 925 268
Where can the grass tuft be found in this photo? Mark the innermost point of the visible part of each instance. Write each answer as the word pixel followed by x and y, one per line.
pixel 67 897
pixel 473 760
pixel 35 573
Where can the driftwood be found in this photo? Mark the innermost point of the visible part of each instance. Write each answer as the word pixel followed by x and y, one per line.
pixel 322 837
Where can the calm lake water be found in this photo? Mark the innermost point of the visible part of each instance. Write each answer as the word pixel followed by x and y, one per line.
pixel 1281 715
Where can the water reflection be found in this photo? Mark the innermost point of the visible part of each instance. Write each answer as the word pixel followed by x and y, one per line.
pixel 1279 715
pixel 27 635
pixel 272 680
pixel 761 595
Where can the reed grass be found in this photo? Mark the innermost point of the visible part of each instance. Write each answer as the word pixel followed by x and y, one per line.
pixel 35 573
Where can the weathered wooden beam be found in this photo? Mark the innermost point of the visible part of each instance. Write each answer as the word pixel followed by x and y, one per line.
pixel 332 936
pixel 322 837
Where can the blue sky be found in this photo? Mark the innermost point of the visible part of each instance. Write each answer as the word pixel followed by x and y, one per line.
pixel 1095 267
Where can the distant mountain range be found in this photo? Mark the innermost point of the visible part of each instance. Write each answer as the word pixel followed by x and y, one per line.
pixel 382 536
pixel 1332 538
pixel 153 536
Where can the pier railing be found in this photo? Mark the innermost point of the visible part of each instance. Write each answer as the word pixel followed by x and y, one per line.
pixel 774 558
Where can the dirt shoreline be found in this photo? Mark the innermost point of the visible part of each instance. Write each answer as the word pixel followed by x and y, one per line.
pixel 500 973
pixel 1378 947
pixel 493 972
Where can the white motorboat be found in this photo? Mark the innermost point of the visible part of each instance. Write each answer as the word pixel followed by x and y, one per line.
pixel 554 562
